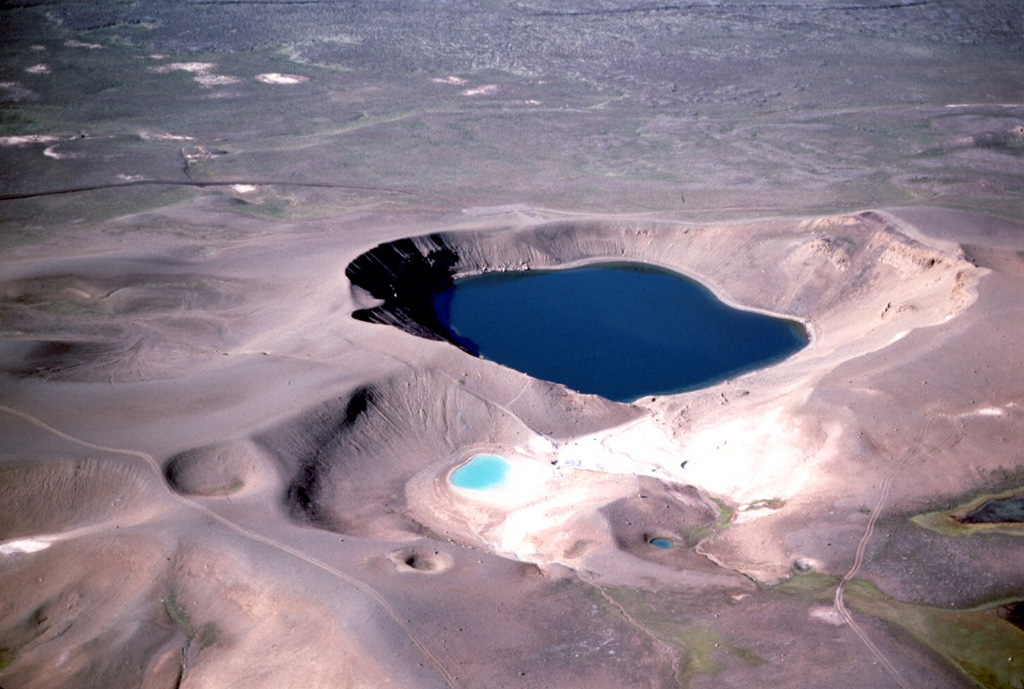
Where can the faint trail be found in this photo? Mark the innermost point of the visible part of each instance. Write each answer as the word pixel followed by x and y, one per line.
pixel 911 454
pixel 64 436
pixel 665 646
pixel 228 183
pixel 544 599
pixel 252 535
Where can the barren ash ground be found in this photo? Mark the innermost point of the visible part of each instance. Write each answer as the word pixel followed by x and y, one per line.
pixel 227 426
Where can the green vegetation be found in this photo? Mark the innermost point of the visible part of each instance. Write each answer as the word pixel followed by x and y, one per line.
pixel 813 585
pixel 985 647
pixel 178 613
pixel 693 535
pixel 977 641
pixel 63 308
pixel 205 635
pixel 765 504
pixel 725 514
pixel 7 656
pixel 947 522
pixel 702 647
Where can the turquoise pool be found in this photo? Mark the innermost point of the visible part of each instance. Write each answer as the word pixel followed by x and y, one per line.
pixel 482 472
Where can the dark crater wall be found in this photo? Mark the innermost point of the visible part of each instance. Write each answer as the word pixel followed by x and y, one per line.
pixel 406 273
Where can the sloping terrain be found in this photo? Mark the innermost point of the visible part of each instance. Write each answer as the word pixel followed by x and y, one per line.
pixel 227 421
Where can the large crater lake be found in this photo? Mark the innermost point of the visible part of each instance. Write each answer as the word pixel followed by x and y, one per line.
pixel 619 330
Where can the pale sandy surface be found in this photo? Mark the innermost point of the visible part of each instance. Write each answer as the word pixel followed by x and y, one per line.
pixel 213 475
pixel 220 430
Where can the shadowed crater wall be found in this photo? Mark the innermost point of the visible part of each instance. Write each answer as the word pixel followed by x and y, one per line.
pixel 403 274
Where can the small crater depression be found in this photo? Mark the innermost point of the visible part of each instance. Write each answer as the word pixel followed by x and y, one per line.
pixel 421 560
pixel 662 523
pixel 220 469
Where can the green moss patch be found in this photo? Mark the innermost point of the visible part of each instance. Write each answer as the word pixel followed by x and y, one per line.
pixel 950 522
pixel 982 642
pixel 703 649
pixel 205 635
pixel 983 645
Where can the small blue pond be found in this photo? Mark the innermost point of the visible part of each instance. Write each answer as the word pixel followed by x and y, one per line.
pixel 662 543
pixel 481 473
pixel 620 330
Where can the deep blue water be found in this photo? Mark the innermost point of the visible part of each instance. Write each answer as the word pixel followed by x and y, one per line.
pixel 622 330
pixel 662 543
pixel 481 472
